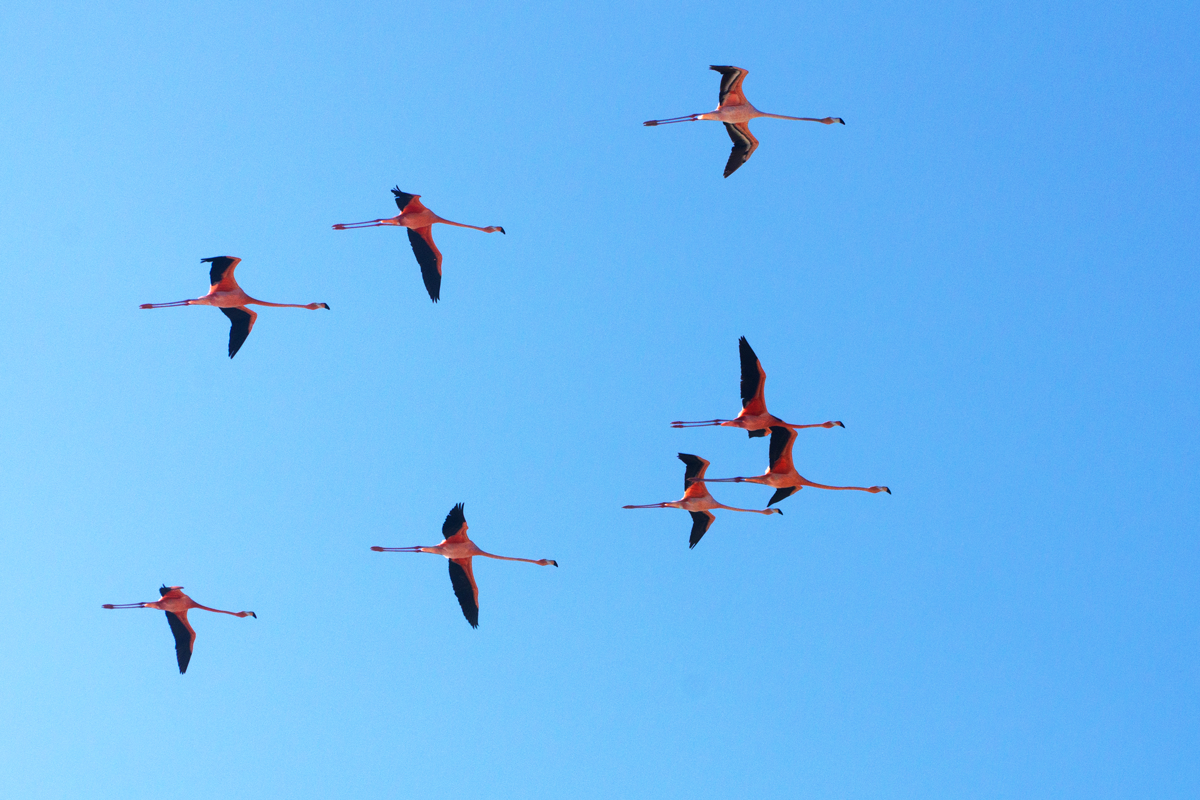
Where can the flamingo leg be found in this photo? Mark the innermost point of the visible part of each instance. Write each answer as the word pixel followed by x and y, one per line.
pixel 652 505
pixel 699 424
pixel 374 223
pixel 166 305
pixel 686 118
pixel 396 549
pixel 123 605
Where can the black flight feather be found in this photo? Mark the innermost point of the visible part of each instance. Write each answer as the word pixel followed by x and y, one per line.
pixel 756 434
pixel 219 266
pixel 701 520
pixel 750 377
pixel 781 494
pixel 695 468
pixel 779 440
pixel 239 328
pixel 464 592
pixel 728 76
pixel 740 153
pixel 183 640
pixel 454 521
pixel 402 198
pixel 431 273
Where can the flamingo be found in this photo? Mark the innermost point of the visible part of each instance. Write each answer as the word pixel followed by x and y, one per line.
pixel 458 548
pixel 176 604
pixel 736 112
pixel 419 220
pixel 782 475
pixel 225 294
pixel 754 417
pixel 697 501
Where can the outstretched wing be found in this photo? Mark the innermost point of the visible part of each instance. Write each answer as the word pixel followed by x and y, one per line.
pixel 701 522
pixel 241 322
pixel 430 259
pixel 781 494
pixel 462 578
pixel 403 199
pixel 456 522
pixel 744 145
pixel 754 380
pixel 731 85
pixel 185 637
pixel 696 467
pixel 220 274
pixel 781 449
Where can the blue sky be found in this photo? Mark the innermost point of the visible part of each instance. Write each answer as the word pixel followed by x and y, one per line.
pixel 989 274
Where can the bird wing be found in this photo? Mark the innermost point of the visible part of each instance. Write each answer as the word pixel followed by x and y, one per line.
pixel 404 200
pixel 754 380
pixel 220 274
pixel 696 467
pixel 185 637
pixel 701 522
pixel 782 440
pixel 456 522
pixel 241 322
pixel 462 578
pixel 744 145
pixel 430 259
pixel 731 85
pixel 782 494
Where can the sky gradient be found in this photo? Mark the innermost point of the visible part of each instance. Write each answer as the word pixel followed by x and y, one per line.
pixel 989 274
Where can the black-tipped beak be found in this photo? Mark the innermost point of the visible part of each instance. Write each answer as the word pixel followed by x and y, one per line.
pixel 326 306
pixel 779 511
pixel 503 231
pixel 555 563
pixel 841 120
pixel 889 491
pixel 841 424
pixel 254 615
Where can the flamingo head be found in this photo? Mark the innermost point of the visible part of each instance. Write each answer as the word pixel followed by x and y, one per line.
pixel 315 306
pixel 546 562
pixel 878 489
pixel 831 120
pixel 247 614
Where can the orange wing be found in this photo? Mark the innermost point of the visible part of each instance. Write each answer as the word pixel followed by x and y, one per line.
pixel 754 381
pixel 462 578
pixel 782 440
pixel 744 145
pixel 429 257
pixel 731 85
pixel 220 275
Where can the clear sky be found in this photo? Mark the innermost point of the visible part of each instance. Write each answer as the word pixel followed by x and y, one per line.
pixel 989 274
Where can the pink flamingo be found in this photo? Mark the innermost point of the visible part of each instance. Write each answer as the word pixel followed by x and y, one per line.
pixel 458 548
pixel 177 604
pixel 736 112
pixel 420 221
pixel 782 473
pixel 697 501
pixel 225 294
pixel 754 417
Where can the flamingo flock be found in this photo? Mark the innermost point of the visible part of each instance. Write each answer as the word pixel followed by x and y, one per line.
pixel 735 112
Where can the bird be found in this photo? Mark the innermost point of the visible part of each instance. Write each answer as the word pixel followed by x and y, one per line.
pixel 458 549
pixel 697 501
pixel 754 417
pixel 225 294
pixel 176 604
pixel 782 475
pixel 735 111
pixel 419 220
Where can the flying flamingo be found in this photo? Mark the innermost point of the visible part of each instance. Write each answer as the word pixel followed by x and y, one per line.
pixel 697 501
pixel 225 294
pixel 458 548
pixel 736 112
pixel 176 604
pixel 782 475
pixel 419 220
pixel 754 417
